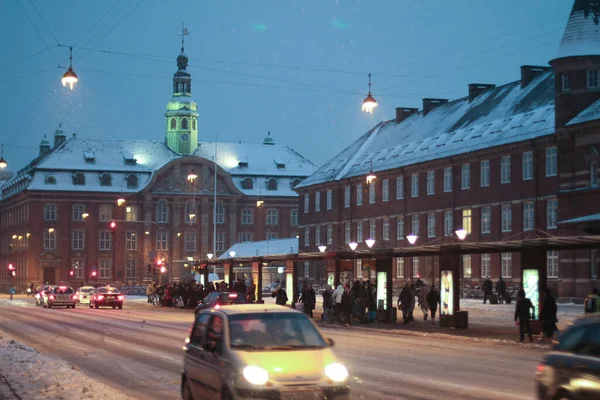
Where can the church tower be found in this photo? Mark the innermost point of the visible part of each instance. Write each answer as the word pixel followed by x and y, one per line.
pixel 181 116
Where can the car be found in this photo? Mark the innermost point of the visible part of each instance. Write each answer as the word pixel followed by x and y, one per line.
pixel 260 351
pixel 218 299
pixel 271 287
pixel 41 293
pixel 84 294
pixel 106 297
pixel 60 296
pixel 572 369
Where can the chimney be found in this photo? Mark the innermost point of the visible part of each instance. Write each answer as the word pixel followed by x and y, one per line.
pixel 430 104
pixel 528 72
pixel 404 112
pixel 475 89
pixel 74 136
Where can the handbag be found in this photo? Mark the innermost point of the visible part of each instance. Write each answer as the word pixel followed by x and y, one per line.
pixel 299 306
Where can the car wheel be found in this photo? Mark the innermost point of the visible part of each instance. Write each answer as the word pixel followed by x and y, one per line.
pixel 186 393
pixel 114 307
pixel 121 307
pixel 226 394
pixel 49 306
pixel 90 305
pixel 73 306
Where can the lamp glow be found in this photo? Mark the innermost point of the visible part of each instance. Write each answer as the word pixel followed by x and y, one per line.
pixel 353 245
pixel 232 254
pixel 192 216
pixel 85 215
pixel 50 230
pixel 461 233
pixel 370 242
pixel 163 270
pixel 14 236
pixel 371 178
pixel 192 176
pixel 3 163
pixel 69 78
pixel 120 201
pixel 210 256
pixel 336 372
pixel 412 239
pixel 369 102
pixel 322 248
pixel 255 375
pixel 190 258
pixel 259 203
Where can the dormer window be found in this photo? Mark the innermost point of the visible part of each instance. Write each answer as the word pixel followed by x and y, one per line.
pixel 90 157
pixel 247 183
pixel 272 184
pixel 50 180
pixel 105 180
pixel 295 182
pixel 129 159
pixel 280 164
pixel 184 123
pixel 173 123
pixel 243 164
pixel 78 179
pixel 132 181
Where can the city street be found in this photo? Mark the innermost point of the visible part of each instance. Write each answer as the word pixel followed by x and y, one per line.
pixel 138 350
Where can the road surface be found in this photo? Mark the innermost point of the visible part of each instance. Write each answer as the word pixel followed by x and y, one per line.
pixel 139 350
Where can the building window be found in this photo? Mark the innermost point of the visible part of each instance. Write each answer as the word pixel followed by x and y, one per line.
pixel 347 197
pixel 272 184
pixel 565 82
pixel 131 213
pixel 416 267
pixel 594 264
pixel 486 214
pixel 307 236
pixel 220 214
pixel 173 123
pixel 593 174
pixel 105 180
pixel 318 235
pixel 507 265
pixel 329 200
pixel 414 185
pixel 592 80
pixel 430 182
pixel 248 216
pixel 467 271
pixel 551 161
pixel 105 240
pixel 295 217
pixel 506 217
pixel 161 212
pixel 527 165
pixel 78 179
pixel 306 203
pixel 372 229
pixel 359 270
pixel 245 237
pixel 318 201
pixel 447 179
pixel 50 212
pixel 415 225
pixel 130 240
pixel 386 228
pixel 50 180
pixel 484 177
pixel 132 181
pixel 189 241
pixel 448 223
pixel 528 216
pixel 78 240
pixel 347 232
pixel 486 265
pixel 220 242
pixel 184 123
pixel 431 225
pixel 105 268
pixel 162 240
pixel 329 233
pixel 399 188
pixel 105 212
pixel 272 216
pixel 247 183
pixel 78 269
pixel 191 214
pixel 49 240
pixel 359 231
pixel 552 263
pixel 551 211
pixel 78 210
pixel 505 169
pixel 272 235
pixel 400 267
pixel 385 190
pixel 130 268
pixel 372 187
pixel 466 220
pixel 193 124
pixel 359 194
pixel 465 182
pixel 399 228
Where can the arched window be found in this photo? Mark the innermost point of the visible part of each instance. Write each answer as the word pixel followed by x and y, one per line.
pixel 132 181
pixel 78 178
pixel 184 123
pixel 193 124
pixel 191 216
pixel 50 180
pixel 272 184
pixel 247 183
pixel 173 123
pixel 295 182
pixel 105 180
pixel 161 212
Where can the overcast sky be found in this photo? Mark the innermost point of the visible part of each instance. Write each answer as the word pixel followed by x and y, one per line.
pixel 297 68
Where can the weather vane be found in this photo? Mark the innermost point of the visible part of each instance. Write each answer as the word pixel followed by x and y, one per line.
pixel 184 32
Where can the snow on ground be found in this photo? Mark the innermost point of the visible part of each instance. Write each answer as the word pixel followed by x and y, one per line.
pixel 33 375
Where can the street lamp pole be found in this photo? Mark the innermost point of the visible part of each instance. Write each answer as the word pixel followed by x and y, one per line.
pixel 215 203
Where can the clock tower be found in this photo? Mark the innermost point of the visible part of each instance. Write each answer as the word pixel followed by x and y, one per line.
pixel 181 116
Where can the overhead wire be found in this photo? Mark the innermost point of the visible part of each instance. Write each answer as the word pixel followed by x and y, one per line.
pixel 44 21
pixel 29 75
pixel 37 31
pixel 37 53
pixel 97 22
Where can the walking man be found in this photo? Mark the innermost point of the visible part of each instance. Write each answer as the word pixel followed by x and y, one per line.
pixel 488 287
pixel 522 315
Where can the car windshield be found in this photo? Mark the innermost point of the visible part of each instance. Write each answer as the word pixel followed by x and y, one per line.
pixel 63 290
pixel 108 290
pixel 86 290
pixel 232 298
pixel 273 331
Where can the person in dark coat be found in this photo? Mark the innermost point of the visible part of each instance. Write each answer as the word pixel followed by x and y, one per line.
pixel 522 316
pixel 433 299
pixel 327 303
pixel 501 289
pixel 347 306
pixel 309 299
pixel 549 311
pixel 488 288
pixel 280 296
pixel 404 302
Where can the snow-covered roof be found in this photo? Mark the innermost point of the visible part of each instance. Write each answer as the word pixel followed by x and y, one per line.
pixel 589 114
pixel 587 218
pixel 582 34
pixel 498 116
pixel 262 248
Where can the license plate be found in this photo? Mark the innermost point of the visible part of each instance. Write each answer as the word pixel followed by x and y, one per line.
pixel 302 395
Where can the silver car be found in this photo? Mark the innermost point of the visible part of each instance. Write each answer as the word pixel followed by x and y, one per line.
pixel 259 351
pixel 60 296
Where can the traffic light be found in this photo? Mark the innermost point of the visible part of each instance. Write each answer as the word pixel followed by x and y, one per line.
pixel 71 273
pixel 113 225
pixel 94 274
pixel 159 262
pixel 11 270
pixel 163 269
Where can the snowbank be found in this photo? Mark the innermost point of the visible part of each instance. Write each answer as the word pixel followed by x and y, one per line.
pixel 33 375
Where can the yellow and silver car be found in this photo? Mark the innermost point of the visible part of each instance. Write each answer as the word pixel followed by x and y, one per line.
pixel 84 293
pixel 259 351
pixel 60 296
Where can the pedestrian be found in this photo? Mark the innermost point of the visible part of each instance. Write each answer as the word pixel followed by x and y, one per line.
pixel 251 293
pixel 346 306
pixel 411 307
pixel 337 301
pixel 522 315
pixel 549 311
pixel 308 298
pixel 280 296
pixel 327 303
pixel 404 301
pixel 433 299
pixel 501 289
pixel 424 304
pixel 591 304
pixel 488 287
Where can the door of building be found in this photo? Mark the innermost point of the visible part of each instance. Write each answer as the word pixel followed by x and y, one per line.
pixel 49 275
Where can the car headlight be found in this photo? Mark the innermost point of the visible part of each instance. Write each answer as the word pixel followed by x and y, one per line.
pixel 336 372
pixel 255 375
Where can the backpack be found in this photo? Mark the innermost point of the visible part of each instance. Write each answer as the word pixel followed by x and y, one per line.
pixel 591 305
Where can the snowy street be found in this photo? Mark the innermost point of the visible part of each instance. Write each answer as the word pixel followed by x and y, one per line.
pixel 138 351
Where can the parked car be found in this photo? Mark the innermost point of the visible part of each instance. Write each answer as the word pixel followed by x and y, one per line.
pixel 260 351
pixel 60 296
pixel 218 299
pixel 107 297
pixel 84 294
pixel 572 369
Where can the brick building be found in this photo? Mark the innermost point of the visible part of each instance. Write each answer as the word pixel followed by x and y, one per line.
pixel 56 213
pixel 516 161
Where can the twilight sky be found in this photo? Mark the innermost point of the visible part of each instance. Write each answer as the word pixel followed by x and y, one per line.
pixel 297 68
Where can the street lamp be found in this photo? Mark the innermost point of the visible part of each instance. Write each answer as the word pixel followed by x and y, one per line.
pixel 461 233
pixel 85 215
pixel 3 163
pixel 210 256
pixel 120 201
pixel 369 102
pixel 192 176
pixel 370 242
pixel 412 239
pixel 322 248
pixel 232 254
pixel 70 77
pixel 50 230
pixel 353 245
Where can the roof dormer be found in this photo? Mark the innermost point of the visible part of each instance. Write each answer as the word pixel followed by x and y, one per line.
pixel 90 157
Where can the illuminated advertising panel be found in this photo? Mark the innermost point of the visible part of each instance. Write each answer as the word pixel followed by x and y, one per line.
pixel 531 279
pixel 447 293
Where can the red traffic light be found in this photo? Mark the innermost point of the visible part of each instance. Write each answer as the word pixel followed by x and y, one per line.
pixel 13 273
pixel 94 273
pixel 163 270
pixel 159 262
pixel 71 273
pixel 113 224
pixel 11 267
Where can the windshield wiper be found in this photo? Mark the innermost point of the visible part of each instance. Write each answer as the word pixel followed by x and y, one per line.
pixel 294 347
pixel 247 346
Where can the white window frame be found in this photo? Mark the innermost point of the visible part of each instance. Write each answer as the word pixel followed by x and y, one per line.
pixel 465 177
pixel 347 232
pixel 414 185
pixel 506 265
pixel 400 267
pixel 294 217
pixel 105 212
pixel 306 203
pixel 78 210
pixel 527 165
pixel 552 264
pixel 104 268
pixel 431 225
pixel 78 239
pixel 220 242
pixel 347 197
pixel 447 179
pixel 190 208
pixel 50 211
pixel 506 210
pixel 359 194
pixel 415 224
pixel 448 223
pixel 317 201
pixel 528 216
pixel 484 177
pixel 131 240
pixel 359 231
pixel 49 240
pixel 131 214
pixel 272 216
pixel 272 235
pixel 386 228
pixel 594 182
pixel 385 190
pixel 505 170
pixel 162 240
pixel 329 200
pixel 416 266
pixel 307 236
pixel 551 161
pixel 162 212
pixel 248 216
pixel 372 229
pixel 104 240
pixel 130 266
pixel 551 213
pixel 399 188
pixel 245 237
pixel 318 235
pixel 565 82
pixel 486 265
pixel 593 79
pixel 467 220
pixel 329 233
pixel 467 266
pixel 372 187
pixel 220 213
pixel 430 183
pixel 400 228
pixel 486 219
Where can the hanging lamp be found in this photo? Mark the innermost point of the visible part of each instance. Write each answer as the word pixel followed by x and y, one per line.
pixel 369 103
pixel 70 77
